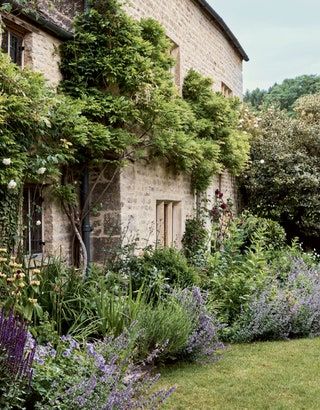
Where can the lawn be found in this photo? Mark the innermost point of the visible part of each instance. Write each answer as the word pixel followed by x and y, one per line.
pixel 271 375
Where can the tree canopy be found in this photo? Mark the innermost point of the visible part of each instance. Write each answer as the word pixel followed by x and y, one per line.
pixel 284 95
pixel 284 177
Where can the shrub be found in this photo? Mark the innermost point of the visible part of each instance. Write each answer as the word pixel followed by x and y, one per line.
pixel 203 342
pixel 157 270
pixel 166 324
pixel 182 324
pixel 195 241
pixel 283 309
pixel 243 264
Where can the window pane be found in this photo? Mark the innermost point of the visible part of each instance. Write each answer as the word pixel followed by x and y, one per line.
pixel 32 212
pixel 4 44
pixel 16 49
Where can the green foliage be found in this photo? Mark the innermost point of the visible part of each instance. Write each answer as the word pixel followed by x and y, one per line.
pixel 242 264
pixel 283 180
pixel 255 97
pixel 284 95
pixel 157 270
pixel 42 134
pixel 19 287
pixel 195 240
pixel 158 327
pixel 120 69
pixel 217 121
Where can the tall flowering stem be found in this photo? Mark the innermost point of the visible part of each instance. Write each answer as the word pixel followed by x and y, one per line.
pixel 16 357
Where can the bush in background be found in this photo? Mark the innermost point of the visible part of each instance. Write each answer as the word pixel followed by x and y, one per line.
pixel 284 309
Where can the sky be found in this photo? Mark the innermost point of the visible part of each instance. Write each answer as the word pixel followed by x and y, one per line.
pixel 281 37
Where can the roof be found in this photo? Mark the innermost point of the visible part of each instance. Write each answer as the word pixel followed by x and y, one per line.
pixel 224 28
pixel 65 34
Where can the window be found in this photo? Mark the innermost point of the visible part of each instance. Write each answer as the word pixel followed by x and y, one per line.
pixel 32 220
pixel 168 223
pixel 12 43
pixel 225 90
pixel 175 71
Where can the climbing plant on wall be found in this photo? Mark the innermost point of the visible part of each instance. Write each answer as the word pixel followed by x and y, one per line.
pixel 120 68
pixel 117 102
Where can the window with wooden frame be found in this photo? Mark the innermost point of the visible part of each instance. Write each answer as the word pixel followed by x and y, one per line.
pixel 168 223
pixel 225 90
pixel 33 220
pixel 176 69
pixel 12 38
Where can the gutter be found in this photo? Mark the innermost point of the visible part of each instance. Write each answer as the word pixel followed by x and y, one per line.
pixel 224 28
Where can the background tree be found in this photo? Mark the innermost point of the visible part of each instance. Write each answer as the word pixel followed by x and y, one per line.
pixel 285 94
pixel 284 178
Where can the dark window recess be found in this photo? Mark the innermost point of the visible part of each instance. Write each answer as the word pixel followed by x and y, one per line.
pixel 12 43
pixel 32 220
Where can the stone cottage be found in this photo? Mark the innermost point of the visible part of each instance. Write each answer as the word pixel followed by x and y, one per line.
pixel 145 203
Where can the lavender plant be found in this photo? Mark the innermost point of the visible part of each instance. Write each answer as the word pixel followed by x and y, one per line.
pixel 96 375
pixel 16 357
pixel 203 341
pixel 285 308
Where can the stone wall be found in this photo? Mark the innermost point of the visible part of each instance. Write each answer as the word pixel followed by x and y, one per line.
pixel 202 45
pixel 42 55
pixel 105 218
pixel 141 186
pixel 56 229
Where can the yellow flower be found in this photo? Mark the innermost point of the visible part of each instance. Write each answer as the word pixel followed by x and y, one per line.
pixel 35 282
pixel 3 275
pixel 21 285
pixel 10 279
pixel 65 143
pixel 33 301
pixel 16 265
pixel 3 250
pixel 3 259
pixel 36 271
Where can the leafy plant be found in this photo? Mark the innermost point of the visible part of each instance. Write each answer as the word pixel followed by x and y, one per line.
pixel 92 376
pixel 19 287
pixel 195 240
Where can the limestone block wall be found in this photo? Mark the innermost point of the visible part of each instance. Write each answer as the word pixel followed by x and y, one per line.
pixel 202 45
pixel 42 55
pixel 56 229
pixel 226 183
pixel 141 186
pixel 105 217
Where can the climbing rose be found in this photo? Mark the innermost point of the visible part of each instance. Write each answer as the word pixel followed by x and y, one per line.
pixel 41 170
pixel 12 184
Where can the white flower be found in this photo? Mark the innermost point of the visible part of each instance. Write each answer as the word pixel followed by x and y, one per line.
pixel 6 161
pixel 38 223
pixel 12 184
pixel 41 170
pixel 261 161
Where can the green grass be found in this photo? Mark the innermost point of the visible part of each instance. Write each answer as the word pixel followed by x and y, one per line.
pixel 271 375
